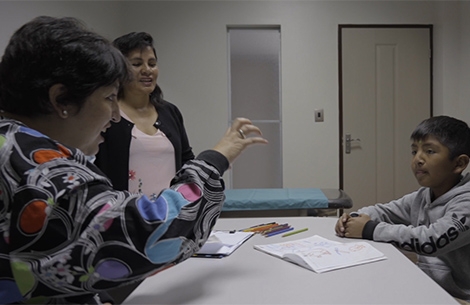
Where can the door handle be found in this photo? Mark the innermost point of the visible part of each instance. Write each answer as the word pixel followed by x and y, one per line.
pixel 348 143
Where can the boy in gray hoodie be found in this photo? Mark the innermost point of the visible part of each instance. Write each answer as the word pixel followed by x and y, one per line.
pixel 433 221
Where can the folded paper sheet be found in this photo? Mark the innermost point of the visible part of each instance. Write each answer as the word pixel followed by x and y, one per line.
pixel 320 254
pixel 223 243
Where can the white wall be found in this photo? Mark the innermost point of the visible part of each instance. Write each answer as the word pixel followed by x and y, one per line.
pixel 102 16
pixel 192 48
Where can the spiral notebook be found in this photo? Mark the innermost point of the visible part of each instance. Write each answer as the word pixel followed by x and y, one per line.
pixel 222 243
pixel 320 254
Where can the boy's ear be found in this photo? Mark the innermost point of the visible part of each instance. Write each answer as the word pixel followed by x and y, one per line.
pixel 461 163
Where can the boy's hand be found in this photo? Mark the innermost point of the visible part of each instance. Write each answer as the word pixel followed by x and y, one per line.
pixel 355 225
pixel 340 227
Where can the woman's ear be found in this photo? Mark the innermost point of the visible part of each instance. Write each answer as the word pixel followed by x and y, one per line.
pixel 461 163
pixel 55 91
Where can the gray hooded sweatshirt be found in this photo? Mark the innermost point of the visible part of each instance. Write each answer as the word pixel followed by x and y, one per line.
pixel 438 231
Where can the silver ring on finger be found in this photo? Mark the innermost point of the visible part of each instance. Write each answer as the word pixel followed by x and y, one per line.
pixel 242 134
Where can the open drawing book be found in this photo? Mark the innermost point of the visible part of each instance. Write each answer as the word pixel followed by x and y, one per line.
pixel 222 243
pixel 320 254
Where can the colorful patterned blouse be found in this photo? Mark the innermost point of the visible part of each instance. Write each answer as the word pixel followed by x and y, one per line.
pixel 66 234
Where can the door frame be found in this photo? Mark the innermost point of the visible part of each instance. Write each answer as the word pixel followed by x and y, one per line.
pixel 340 77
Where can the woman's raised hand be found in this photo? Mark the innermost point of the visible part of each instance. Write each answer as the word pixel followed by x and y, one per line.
pixel 237 138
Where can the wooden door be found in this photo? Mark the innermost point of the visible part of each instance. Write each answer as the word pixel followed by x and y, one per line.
pixel 385 91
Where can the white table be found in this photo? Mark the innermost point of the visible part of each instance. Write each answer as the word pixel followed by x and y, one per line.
pixel 249 276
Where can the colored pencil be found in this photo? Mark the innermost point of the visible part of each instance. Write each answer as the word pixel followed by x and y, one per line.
pixel 295 232
pixel 276 228
pixel 257 226
pixel 279 232
pixel 263 228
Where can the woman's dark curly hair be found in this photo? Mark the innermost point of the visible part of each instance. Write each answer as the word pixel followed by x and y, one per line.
pixel 48 51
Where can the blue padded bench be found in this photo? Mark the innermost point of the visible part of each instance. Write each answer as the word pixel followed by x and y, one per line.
pixel 301 200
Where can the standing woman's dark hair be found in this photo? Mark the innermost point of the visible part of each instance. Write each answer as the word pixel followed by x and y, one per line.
pixel 48 51
pixel 139 40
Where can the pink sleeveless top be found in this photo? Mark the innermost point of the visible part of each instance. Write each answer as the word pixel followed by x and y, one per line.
pixel 151 162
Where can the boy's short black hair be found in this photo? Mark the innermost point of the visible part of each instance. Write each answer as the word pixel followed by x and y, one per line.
pixel 450 132
pixel 48 51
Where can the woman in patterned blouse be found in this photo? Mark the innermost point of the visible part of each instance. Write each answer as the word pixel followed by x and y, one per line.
pixel 65 233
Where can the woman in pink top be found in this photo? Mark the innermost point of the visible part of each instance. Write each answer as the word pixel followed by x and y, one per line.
pixel 143 151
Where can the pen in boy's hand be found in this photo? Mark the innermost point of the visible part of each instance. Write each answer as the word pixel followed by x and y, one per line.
pixel 295 232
